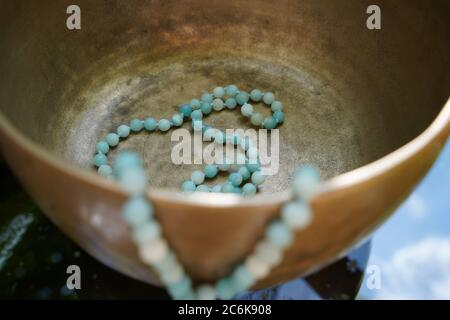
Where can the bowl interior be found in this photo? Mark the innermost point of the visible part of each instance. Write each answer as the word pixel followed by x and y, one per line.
pixel 351 95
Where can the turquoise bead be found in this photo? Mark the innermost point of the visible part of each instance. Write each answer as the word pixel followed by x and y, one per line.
pixel 164 125
pixel 202 188
pixel 256 95
pixel 257 119
pixel 230 103
pixel 207 97
pixel 133 180
pixel 150 124
pixel 123 131
pixel 225 166
pixel 252 167
pixel 237 190
pixel 206 107
pixel 257 178
pixel 147 232
pixel 276 106
pixel 125 161
pixel 217 104
pixel 228 188
pixel 306 182
pixel 242 279
pixel 177 120
pixel 180 289
pixel 247 110
pixel 235 179
pixel 224 289
pixel 248 189
pixel 279 116
pixel 105 170
pixel 136 125
pixel 102 147
pixel 270 123
pixel 100 159
pixel 112 139
pixel 279 234
pixel 195 104
pixel 219 92
pixel 231 90
pixel 197 115
pixel 242 97
pixel 216 189
pixel 268 98
pixel 243 171
pixel 210 170
pixel 198 177
pixel 296 215
pixel 188 186
pixel 186 110
pixel 137 211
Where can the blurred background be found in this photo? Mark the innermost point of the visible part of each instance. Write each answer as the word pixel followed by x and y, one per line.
pixel 411 250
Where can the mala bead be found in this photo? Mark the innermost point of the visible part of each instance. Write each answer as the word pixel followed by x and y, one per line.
pixel 136 125
pixel 268 98
pixel 154 252
pixel 186 110
pixel 243 171
pixel 224 289
pixel 276 106
pixel 112 139
pixel 133 180
pixel 210 171
pixel 100 159
pixel 279 234
pixel 147 232
pixel 296 215
pixel 306 182
pixel 105 170
pixel 219 92
pixel 125 161
pixel 137 211
pixel 197 115
pixel 256 267
pixel 279 116
pixel 270 123
pixel 230 103
pixel 177 120
pixel 195 104
pixel 257 119
pixel 188 186
pixel 102 147
pixel 247 110
pixel 207 97
pixel 164 125
pixel 241 279
pixel 256 95
pixel 242 98
pixel 268 252
pixel 123 131
pixel 231 90
pixel 206 107
pixel 248 189
pixel 150 124
pixel 258 178
pixel 235 179
pixel 206 292
pixel 198 177
pixel 228 188
pixel 217 104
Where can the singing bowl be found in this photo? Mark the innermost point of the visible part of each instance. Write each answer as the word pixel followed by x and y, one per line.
pixel 369 108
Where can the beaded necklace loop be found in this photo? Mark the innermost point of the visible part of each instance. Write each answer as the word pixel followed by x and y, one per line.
pixel 138 211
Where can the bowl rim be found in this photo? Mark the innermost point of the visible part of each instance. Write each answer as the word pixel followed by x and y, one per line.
pixel 341 181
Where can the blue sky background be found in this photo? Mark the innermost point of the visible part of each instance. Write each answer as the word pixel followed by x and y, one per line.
pixel 412 248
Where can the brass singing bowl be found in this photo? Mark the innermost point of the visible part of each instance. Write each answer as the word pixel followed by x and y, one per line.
pixel 368 107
